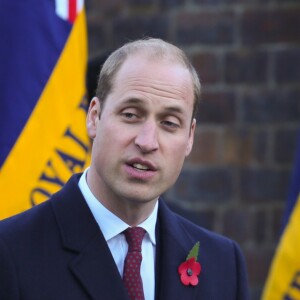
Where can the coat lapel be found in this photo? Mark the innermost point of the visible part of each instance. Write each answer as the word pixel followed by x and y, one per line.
pixel 90 259
pixel 95 268
pixel 173 246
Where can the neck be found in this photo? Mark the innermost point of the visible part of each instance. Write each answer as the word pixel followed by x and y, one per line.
pixel 129 211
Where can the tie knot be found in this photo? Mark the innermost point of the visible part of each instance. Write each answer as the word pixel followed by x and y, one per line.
pixel 134 237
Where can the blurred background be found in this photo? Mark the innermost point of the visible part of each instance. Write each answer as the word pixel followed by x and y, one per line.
pixel 237 180
pixel 247 54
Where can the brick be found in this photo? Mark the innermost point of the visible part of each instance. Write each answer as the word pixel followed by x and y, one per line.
pixel 277 224
pixel 205 28
pixel 97 38
pixel 106 8
pixel 260 227
pixel 204 148
pixel 286 1
pixel 256 291
pixel 256 1
pixel 285 145
pixel 258 263
pixel 204 218
pixel 237 147
pixel 230 148
pixel 217 108
pixel 133 3
pixel 246 66
pixel 210 185
pixel 125 29
pixel 287 64
pixel 243 147
pixel 242 232
pixel 208 67
pixel 265 106
pixel 263 185
pixel 214 2
pixel 93 70
pixel 172 3
pixel 261 147
pixel 270 26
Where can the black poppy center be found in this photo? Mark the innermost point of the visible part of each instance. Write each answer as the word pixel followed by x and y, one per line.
pixel 189 271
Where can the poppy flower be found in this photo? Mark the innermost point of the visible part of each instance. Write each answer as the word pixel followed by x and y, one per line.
pixel 189 271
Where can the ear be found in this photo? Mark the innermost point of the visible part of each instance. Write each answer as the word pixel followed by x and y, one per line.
pixel 191 138
pixel 93 117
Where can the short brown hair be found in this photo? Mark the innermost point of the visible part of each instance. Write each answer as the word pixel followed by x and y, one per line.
pixel 154 48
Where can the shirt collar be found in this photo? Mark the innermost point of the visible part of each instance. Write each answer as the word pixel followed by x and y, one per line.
pixel 109 223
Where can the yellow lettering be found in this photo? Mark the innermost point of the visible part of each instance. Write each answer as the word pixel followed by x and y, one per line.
pixel 53 178
pixel 38 195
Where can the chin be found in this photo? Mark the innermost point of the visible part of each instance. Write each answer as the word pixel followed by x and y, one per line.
pixel 139 197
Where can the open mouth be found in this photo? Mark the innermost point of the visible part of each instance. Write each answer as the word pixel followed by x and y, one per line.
pixel 140 167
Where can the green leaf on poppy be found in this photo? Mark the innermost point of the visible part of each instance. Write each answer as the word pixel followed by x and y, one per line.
pixel 194 252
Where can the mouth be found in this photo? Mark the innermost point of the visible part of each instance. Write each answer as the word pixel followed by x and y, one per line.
pixel 141 165
pixel 141 171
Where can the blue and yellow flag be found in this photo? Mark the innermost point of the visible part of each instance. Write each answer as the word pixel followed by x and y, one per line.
pixel 283 282
pixel 43 140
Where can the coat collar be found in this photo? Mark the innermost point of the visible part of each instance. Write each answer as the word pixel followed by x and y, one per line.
pixel 82 237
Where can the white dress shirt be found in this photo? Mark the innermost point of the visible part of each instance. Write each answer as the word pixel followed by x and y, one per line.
pixel 112 228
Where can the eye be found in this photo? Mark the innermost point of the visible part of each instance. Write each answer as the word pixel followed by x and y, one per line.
pixel 129 115
pixel 170 124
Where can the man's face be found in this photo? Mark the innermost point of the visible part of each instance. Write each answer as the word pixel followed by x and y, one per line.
pixel 144 132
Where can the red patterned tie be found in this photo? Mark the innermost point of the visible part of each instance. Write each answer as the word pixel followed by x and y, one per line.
pixel 132 276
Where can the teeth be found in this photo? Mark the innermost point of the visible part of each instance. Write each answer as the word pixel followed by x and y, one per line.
pixel 140 167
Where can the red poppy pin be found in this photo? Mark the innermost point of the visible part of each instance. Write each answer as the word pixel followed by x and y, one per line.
pixel 190 269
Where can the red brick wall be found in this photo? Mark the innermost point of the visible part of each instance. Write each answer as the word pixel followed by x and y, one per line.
pixel 247 54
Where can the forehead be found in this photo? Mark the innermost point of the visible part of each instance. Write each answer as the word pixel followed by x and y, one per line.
pixel 143 64
pixel 155 76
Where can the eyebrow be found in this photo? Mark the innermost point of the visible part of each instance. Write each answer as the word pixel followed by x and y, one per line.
pixel 133 101
pixel 174 109
pixel 170 109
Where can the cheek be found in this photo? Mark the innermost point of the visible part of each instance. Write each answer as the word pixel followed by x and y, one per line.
pixel 110 140
pixel 176 156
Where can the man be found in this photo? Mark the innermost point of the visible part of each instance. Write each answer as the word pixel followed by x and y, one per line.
pixel 74 246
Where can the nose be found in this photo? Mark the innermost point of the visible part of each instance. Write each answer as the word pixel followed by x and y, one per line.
pixel 147 139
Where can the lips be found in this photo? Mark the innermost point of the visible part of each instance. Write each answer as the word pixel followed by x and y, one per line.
pixel 139 169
